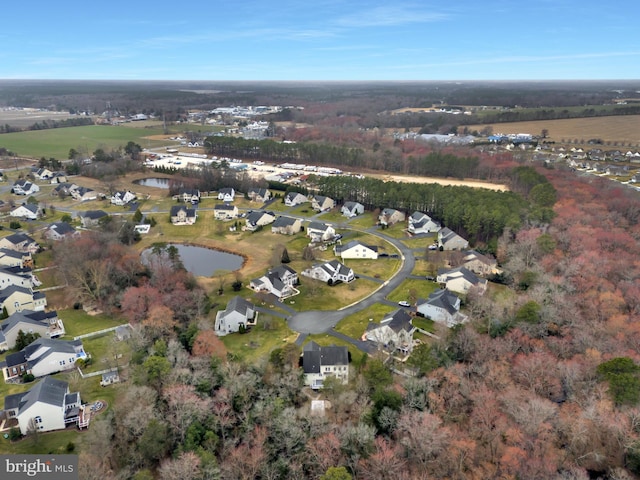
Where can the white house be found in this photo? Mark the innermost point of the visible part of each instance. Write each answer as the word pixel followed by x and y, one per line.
pixel 16 299
pixel 286 225
pixel 225 211
pixel 49 405
pixel 83 194
pixel 11 258
pixel 226 194
pixel 450 240
pixel 354 249
pixel 394 332
pixel 292 199
pixel 331 272
pixel 18 276
pixel 25 187
pixel 390 216
pixel 30 211
pixel 45 324
pixel 442 306
pixel 321 203
pixel 258 218
pixel 122 197
pixel 352 209
pixel 59 231
pixel 181 215
pixel 41 173
pixel 479 264
pixel 422 223
pixel 279 281
pixel 91 218
pixel 260 195
pixel 320 232
pixel 188 195
pixel 20 242
pixel 461 280
pixel 42 357
pixel 239 313
pixel 320 363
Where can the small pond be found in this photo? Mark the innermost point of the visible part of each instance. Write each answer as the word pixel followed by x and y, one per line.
pixel 204 262
pixel 153 182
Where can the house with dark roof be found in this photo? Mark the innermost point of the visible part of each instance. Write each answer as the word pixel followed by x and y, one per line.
pixel 258 218
pixel 352 209
pixel 225 211
pixel 16 299
pixel 13 258
pixel 461 280
pixel 320 363
pixel 450 240
pixel 25 187
pixel 20 242
pixel 45 324
pixel 83 194
pixel 422 223
pixel 181 215
pixel 29 211
pixel 320 203
pixel 49 405
pixel 291 199
pixel 260 195
pixel 226 194
pixel 41 173
pixel 479 264
pixel 42 357
pixel 320 232
pixel 390 216
pixel 442 306
pixel 188 195
pixel 354 250
pixel 60 231
pixel 286 225
pixel 394 332
pixel 239 313
pixel 123 197
pixel 18 276
pixel 280 282
pixel 91 218
pixel 331 272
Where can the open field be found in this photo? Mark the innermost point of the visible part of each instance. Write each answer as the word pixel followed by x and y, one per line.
pixel 616 129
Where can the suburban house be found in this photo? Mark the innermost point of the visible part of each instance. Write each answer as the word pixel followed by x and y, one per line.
pixel 122 197
pixel 42 357
pixel 239 313
pixel 355 249
pixel 29 211
pixel 47 406
pixel 45 324
pixel 394 332
pixel 479 264
pixel 20 242
pixel 225 211
pixel 331 272
pixel 41 173
pixel 320 232
pixel 319 363
pixel 59 231
pixel 181 215
pixel 286 225
pixel 91 218
pixel 322 204
pixel 226 194
pixel 258 218
pixel 461 280
pixel 292 199
pixel 12 258
pixel 58 177
pixel 63 189
pixel 280 282
pixel 450 240
pixel 25 187
pixel 84 194
pixel 390 216
pixel 15 299
pixel 352 209
pixel 19 276
pixel 260 195
pixel 188 195
pixel 422 223
pixel 442 306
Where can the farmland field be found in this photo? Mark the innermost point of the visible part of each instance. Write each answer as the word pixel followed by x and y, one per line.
pixel 616 129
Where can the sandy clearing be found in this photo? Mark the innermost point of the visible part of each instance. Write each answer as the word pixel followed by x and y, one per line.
pixel 442 181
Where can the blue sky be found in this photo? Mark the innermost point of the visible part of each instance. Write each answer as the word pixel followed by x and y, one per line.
pixel 321 40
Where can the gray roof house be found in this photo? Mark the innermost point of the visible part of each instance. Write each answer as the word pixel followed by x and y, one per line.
pixel 59 231
pixel 442 306
pixel 355 249
pixel 450 240
pixel 181 215
pixel 422 223
pixel 279 281
pixel 331 272
pixel 42 357
pixel 91 218
pixel 352 209
pixel 320 203
pixel 260 195
pixel 45 324
pixel 286 225
pixel 239 312
pixel 20 242
pixel 292 199
pixel 319 363
pixel 391 216
pixel 461 280
pixel 258 218
pixel 394 332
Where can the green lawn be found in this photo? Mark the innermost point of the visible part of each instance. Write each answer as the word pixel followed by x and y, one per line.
pixel 424 324
pixel 355 325
pixel 258 342
pixel 364 221
pixel 396 231
pixel 334 216
pixel 420 242
pixel 79 322
pixel 103 350
pixel 411 289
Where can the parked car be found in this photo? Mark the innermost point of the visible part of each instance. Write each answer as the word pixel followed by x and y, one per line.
pixel 431 279
pixel 404 303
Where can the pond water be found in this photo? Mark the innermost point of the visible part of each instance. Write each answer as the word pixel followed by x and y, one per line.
pixel 153 182
pixel 204 262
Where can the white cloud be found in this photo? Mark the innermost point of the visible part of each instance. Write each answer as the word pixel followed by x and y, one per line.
pixel 387 16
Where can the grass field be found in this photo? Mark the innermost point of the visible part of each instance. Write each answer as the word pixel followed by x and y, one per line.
pixel 616 129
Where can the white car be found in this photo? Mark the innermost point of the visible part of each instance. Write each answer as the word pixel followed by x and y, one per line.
pixel 404 303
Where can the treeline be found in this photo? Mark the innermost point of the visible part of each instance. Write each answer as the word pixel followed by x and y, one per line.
pixel 48 124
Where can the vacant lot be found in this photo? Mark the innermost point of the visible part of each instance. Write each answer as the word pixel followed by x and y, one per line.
pixel 623 129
